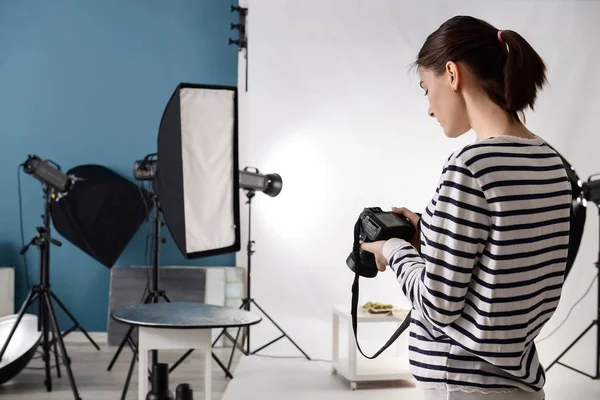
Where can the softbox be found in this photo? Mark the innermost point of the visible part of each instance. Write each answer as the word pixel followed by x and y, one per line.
pixel 197 178
pixel 101 212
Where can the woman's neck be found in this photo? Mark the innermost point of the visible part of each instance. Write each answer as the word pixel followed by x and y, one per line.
pixel 487 119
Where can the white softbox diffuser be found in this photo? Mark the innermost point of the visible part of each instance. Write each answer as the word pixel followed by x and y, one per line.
pixel 197 177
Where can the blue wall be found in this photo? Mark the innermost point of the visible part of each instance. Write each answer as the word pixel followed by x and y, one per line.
pixel 86 82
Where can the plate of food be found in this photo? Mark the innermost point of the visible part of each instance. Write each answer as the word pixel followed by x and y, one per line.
pixel 378 308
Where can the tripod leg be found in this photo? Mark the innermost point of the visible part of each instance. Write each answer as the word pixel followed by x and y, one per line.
pixel 571 345
pixel 281 330
pixel 223 331
pixel 134 358
pixel 63 350
pixel 236 343
pixel 227 373
pixel 233 348
pixel 30 299
pixel 236 340
pixel 132 345
pixel 125 338
pixel 183 357
pixel 77 324
pixel 598 343
pixel 187 354
pixel 228 336
pixel 246 306
pixel 166 297
pixel 147 300
pixel 46 347
pixel 218 337
pixel 126 387
pixel 54 340
pixel 155 299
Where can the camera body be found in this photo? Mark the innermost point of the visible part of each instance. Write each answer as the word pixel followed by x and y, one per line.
pixel 373 225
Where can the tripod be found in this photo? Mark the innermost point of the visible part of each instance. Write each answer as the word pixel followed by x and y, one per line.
pixel 43 293
pixel 153 296
pixel 246 302
pixel 594 323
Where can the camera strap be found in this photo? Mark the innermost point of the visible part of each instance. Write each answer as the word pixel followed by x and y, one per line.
pixel 355 293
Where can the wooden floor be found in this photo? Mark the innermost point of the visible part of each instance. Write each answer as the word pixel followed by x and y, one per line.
pixel 94 382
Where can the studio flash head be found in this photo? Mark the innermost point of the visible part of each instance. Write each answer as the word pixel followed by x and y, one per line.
pixel 373 225
pixel 48 174
pixel 592 189
pixel 145 170
pixel 252 179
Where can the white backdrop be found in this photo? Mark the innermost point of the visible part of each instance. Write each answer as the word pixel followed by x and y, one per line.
pixel 335 109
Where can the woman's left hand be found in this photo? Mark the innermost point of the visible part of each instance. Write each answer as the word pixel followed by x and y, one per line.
pixel 376 248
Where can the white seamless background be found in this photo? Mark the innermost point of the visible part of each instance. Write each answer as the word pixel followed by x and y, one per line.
pixel 334 107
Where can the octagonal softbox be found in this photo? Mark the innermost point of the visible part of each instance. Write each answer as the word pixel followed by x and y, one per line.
pixel 101 213
pixel 197 176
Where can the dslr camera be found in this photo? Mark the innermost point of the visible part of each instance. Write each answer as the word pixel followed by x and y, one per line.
pixel 373 225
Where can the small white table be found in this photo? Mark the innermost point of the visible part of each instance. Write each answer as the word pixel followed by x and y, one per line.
pixel 183 326
pixel 382 368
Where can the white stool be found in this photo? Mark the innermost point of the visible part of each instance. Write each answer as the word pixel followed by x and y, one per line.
pixel 173 339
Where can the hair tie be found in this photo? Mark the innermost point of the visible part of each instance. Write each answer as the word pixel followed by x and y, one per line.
pixel 500 37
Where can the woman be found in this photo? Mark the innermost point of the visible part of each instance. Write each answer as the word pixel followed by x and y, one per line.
pixel 491 248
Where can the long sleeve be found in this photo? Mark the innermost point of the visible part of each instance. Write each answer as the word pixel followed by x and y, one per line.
pixel 436 281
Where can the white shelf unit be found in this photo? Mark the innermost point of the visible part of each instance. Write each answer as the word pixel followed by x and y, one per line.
pixel 356 368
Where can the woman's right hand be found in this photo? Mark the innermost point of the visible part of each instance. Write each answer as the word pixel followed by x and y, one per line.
pixel 414 220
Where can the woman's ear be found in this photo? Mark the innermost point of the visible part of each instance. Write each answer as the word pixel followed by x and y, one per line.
pixel 453 74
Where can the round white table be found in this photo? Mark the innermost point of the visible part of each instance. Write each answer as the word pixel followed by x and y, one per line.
pixel 170 326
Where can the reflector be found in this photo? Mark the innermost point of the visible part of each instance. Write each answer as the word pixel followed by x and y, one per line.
pixel 101 212
pixel 21 348
pixel 197 176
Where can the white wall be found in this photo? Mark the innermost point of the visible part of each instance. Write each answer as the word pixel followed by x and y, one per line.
pixel 7 291
pixel 334 108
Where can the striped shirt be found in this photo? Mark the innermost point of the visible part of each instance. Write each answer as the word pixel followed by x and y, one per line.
pixel 494 243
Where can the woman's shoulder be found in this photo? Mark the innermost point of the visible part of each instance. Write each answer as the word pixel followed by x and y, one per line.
pixel 503 147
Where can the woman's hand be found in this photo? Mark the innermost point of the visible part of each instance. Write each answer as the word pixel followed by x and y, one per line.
pixel 376 248
pixel 414 220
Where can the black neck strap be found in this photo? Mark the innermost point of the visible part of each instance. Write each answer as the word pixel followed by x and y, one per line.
pixel 355 295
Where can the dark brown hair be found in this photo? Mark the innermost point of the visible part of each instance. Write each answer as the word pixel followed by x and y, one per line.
pixel 510 71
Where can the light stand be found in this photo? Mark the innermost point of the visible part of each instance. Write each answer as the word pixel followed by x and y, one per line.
pixel 594 323
pixel 44 294
pixel 248 300
pixel 153 296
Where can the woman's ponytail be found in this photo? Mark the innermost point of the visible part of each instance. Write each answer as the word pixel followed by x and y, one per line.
pixel 524 72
